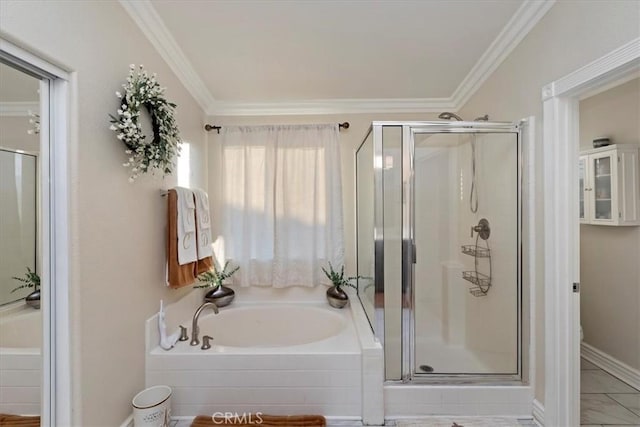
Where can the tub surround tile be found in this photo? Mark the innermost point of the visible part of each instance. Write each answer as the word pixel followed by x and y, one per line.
pixel 258 378
pixel 180 410
pixel 266 396
pixel 20 362
pixel 19 395
pixel 20 378
pixel 601 409
pixel 244 362
pixel 598 381
pixel 629 401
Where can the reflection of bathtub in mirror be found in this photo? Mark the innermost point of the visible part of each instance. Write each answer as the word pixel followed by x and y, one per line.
pixel 20 360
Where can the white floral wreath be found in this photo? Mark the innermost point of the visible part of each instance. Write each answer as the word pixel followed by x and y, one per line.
pixel 142 90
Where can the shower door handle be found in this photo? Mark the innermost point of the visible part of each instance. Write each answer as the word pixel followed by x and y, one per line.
pixel 413 252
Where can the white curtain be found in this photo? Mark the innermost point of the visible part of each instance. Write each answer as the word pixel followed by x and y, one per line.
pixel 281 203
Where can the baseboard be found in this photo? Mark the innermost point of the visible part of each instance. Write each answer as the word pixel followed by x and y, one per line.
pixel 538 412
pixel 128 422
pixel 618 369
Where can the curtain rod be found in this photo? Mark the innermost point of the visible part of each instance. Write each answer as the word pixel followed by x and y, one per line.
pixel 208 127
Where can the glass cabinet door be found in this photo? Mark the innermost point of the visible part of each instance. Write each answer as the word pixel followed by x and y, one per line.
pixel 602 189
pixel 582 175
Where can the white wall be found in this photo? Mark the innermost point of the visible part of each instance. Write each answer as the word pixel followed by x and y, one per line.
pixel 117 228
pixel 569 36
pixel 609 269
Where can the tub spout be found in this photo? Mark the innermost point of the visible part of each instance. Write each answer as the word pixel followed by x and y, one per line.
pixel 196 316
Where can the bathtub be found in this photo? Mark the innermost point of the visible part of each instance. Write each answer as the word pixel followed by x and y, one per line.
pixel 20 359
pixel 276 355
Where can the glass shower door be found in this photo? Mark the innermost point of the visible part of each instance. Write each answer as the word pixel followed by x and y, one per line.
pixel 466 263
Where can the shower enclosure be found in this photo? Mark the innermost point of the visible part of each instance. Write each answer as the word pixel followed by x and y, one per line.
pixel 439 248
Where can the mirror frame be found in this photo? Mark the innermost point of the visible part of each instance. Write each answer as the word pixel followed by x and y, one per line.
pixel 56 85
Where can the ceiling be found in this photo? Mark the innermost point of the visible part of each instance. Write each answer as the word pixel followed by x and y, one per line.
pixel 247 56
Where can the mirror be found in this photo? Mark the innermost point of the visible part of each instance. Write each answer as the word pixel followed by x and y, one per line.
pixel 20 324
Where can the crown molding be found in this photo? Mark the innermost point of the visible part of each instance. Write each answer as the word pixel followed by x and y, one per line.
pixel 523 21
pixel 18 109
pixel 619 65
pixel 331 106
pixel 153 27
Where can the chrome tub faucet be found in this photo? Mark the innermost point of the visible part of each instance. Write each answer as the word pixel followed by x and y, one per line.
pixel 196 316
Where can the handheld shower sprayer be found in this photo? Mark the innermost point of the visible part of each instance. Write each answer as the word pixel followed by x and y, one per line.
pixel 473 196
pixel 448 116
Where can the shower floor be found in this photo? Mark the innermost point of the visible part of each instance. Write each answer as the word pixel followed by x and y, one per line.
pixel 447 359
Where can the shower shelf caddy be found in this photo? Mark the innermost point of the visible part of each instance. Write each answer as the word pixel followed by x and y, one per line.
pixel 481 282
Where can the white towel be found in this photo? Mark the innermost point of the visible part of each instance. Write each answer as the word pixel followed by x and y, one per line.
pixel 204 224
pixel 187 247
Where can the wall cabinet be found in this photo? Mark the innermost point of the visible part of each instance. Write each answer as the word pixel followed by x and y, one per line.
pixel 610 185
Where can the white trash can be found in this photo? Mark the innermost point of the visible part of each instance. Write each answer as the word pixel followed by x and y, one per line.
pixel 152 407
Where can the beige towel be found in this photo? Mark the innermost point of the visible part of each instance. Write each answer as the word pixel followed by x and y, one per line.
pixel 178 275
pixel 263 421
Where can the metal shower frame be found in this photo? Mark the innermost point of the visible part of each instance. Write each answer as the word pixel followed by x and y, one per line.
pixel 409 130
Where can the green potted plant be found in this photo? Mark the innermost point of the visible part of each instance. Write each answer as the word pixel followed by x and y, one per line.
pixel 30 280
pixel 336 296
pixel 220 295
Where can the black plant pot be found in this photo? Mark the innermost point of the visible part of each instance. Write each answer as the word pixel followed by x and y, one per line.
pixel 337 297
pixel 220 296
pixel 33 299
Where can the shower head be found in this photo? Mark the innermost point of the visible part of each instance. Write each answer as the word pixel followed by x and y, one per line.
pixel 484 118
pixel 448 116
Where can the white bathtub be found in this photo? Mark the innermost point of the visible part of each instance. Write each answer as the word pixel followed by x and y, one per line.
pixel 20 360
pixel 297 357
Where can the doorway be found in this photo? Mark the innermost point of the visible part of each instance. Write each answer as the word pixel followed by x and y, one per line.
pixel 561 233
pixel 609 247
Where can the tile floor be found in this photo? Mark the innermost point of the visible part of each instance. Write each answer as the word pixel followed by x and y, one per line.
pixel 605 400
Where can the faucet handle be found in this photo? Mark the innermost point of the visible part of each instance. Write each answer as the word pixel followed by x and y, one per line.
pixel 183 334
pixel 206 342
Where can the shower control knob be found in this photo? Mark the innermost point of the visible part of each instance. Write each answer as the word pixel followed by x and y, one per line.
pixel 483 229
